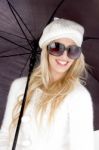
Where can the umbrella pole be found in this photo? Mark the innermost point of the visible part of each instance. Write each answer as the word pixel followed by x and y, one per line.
pixel 31 66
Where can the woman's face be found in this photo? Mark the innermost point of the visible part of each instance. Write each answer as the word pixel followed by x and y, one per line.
pixel 60 64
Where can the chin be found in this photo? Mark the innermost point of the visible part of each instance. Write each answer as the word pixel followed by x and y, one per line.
pixel 61 71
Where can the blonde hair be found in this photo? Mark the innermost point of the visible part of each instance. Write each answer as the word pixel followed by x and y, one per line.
pixel 53 93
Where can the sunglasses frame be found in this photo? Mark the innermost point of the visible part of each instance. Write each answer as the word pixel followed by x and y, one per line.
pixel 63 49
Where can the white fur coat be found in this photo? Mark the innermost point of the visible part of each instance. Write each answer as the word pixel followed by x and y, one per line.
pixel 71 128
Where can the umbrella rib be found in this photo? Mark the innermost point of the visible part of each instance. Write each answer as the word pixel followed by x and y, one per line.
pixel 4 51
pixel 25 65
pixel 14 55
pixel 93 75
pixel 13 34
pixel 14 43
pixel 11 8
pixel 89 38
pixel 13 12
pixel 60 3
pixel 21 20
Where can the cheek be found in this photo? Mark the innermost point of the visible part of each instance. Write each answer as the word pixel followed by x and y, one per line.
pixel 52 60
pixel 70 64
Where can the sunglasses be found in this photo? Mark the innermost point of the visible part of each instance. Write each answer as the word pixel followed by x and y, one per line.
pixel 57 49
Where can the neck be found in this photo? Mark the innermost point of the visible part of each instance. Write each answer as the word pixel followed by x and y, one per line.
pixel 56 76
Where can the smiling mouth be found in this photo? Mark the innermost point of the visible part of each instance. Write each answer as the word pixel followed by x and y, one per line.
pixel 61 63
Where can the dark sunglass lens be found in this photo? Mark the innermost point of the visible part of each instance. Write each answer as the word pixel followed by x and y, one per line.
pixel 74 52
pixel 55 49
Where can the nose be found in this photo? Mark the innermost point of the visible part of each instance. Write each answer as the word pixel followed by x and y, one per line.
pixel 64 55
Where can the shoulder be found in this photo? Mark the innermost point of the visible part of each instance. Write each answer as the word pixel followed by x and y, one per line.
pixel 17 88
pixel 80 97
pixel 19 82
pixel 18 85
pixel 82 91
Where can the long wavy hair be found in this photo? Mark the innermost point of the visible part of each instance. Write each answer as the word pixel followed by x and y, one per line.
pixel 55 92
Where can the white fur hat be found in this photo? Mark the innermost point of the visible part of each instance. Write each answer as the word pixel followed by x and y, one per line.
pixel 62 28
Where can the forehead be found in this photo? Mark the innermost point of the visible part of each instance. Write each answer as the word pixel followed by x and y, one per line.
pixel 65 41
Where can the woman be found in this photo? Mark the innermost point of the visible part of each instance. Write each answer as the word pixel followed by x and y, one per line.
pixel 58 113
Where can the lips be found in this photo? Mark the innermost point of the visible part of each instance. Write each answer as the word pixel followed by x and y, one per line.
pixel 61 62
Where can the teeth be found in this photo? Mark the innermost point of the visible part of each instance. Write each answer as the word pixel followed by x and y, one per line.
pixel 62 62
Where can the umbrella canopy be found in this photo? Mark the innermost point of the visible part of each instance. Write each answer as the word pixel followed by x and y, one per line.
pixel 32 16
